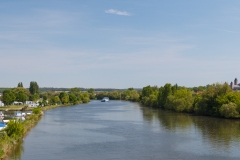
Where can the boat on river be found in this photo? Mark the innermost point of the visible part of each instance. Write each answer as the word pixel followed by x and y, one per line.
pixel 2 125
pixel 18 114
pixel 105 99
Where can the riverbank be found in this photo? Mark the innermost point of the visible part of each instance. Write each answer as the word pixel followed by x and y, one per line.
pixel 7 142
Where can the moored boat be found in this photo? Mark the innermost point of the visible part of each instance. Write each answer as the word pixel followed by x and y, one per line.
pixel 18 114
pixel 105 99
pixel 2 125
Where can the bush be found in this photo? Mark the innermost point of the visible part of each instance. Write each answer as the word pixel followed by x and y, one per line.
pixel 229 110
pixel 36 110
pixel 15 129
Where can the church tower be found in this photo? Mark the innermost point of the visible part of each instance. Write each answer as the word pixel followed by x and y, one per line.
pixel 235 81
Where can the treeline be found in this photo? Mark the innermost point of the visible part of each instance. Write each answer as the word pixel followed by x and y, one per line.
pixel 74 96
pixel 128 95
pixel 21 94
pixel 214 100
pixel 53 89
pixel 211 100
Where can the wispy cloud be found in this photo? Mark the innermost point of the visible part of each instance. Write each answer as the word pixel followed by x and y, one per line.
pixel 120 13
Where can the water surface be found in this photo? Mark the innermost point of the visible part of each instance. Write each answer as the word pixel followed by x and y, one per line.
pixel 125 130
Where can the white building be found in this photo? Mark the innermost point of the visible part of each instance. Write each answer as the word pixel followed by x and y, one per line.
pixel 235 85
pixel 32 104
pixel 17 103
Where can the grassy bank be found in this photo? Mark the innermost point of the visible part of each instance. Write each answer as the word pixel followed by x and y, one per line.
pixel 12 108
pixel 15 131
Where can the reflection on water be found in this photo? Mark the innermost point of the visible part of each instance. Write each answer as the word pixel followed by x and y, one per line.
pixel 218 132
pixel 17 151
pixel 125 130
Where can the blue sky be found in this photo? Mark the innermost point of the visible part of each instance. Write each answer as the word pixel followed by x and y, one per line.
pixel 120 43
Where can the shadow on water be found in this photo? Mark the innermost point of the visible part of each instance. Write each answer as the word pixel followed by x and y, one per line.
pixel 219 133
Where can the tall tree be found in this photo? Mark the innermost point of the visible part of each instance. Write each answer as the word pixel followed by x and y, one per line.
pixel 34 88
pixel 64 97
pixel 163 93
pixel 72 98
pixel 20 84
pixel 147 91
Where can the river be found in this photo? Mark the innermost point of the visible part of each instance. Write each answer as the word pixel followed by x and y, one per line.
pixel 126 130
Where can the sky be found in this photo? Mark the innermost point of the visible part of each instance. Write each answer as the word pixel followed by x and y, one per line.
pixel 119 43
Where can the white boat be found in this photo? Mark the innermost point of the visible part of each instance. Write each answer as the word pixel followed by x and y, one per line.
pixel 105 99
pixel 6 121
pixel 18 114
pixel 2 125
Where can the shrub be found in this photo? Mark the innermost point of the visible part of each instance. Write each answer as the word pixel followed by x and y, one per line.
pixel 15 129
pixel 36 110
pixel 229 110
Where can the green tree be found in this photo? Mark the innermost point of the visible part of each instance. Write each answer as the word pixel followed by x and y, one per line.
pixel 64 97
pixel 54 100
pixel 91 93
pixel 8 97
pixel 20 84
pixel 34 97
pixel 100 95
pixel 57 99
pixel 75 90
pixel 208 103
pixel 91 90
pixel 181 101
pixel 114 95
pixel 21 96
pixel 85 97
pixel 147 91
pixel 21 89
pixel 163 94
pixel 36 110
pixel 149 96
pixel 229 110
pixel 34 88
pixel 72 98
pixel 131 95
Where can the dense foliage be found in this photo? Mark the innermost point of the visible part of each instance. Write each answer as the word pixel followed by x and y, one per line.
pixel 213 100
pixel 21 94
pixel 128 95
pixel 15 129
pixel 34 88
